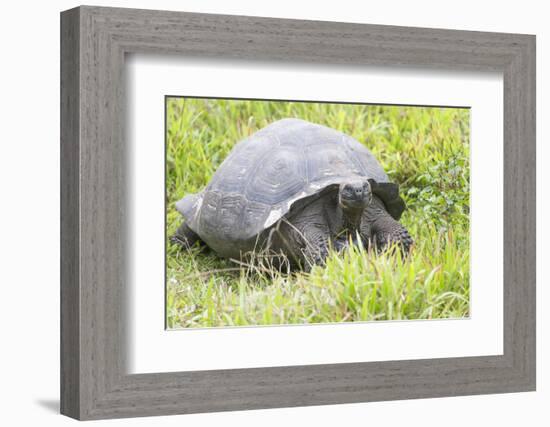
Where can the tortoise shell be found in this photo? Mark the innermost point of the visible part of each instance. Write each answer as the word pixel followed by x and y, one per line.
pixel 265 174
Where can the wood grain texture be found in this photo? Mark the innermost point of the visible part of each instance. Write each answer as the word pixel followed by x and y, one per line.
pixel 70 292
pixel 94 382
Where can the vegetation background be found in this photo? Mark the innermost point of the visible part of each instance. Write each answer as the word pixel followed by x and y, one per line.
pixel 423 149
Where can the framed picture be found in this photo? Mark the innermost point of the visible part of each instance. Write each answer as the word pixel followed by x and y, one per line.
pixel 262 213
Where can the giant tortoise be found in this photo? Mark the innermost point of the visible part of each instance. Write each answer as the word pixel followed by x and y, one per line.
pixel 294 189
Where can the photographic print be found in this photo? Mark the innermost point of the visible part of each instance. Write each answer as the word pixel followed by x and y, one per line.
pixel 293 212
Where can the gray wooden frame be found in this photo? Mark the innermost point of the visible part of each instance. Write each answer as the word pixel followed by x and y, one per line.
pixel 94 41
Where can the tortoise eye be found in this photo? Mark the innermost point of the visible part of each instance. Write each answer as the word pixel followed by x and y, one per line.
pixel 347 190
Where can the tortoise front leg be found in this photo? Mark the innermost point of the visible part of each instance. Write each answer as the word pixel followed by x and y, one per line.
pixel 315 244
pixel 387 231
pixel 380 229
pixel 307 241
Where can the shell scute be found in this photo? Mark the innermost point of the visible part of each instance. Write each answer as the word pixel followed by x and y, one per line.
pixel 280 175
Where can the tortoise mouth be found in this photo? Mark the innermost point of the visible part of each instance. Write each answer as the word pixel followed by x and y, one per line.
pixel 354 203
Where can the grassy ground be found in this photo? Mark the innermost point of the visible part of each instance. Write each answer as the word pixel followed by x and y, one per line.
pixel 425 150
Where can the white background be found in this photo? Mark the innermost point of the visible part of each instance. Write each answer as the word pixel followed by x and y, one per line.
pixel 29 225
pixel 152 349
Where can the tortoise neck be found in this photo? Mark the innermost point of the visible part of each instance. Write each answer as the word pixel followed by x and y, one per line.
pixel 351 219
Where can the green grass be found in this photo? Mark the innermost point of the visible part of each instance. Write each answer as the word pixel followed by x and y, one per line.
pixel 425 150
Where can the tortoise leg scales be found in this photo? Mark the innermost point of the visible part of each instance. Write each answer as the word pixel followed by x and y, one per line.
pixel 387 231
pixel 315 244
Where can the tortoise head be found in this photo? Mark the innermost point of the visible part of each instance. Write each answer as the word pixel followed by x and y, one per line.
pixel 355 194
